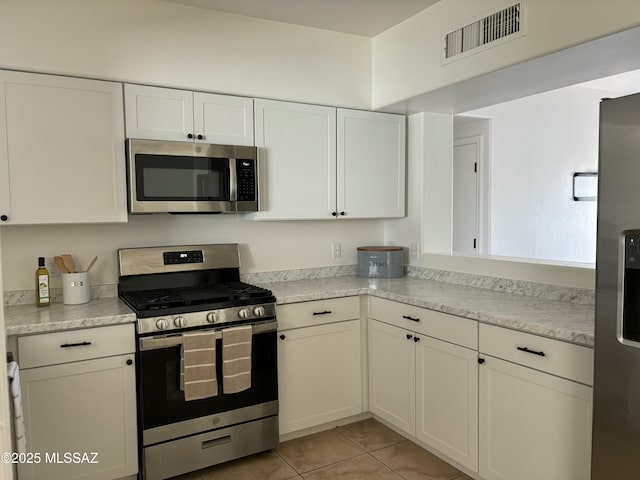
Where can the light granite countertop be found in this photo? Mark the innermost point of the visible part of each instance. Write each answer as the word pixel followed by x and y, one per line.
pixel 27 319
pixel 570 322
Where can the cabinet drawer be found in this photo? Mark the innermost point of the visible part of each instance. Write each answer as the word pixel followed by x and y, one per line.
pixel 450 328
pixel 75 345
pixel 317 312
pixel 553 356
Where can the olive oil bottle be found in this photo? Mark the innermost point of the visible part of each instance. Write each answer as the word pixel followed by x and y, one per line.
pixel 42 284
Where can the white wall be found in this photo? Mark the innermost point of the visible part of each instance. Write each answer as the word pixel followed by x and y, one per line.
pixel 152 42
pixel 537 144
pixel 265 246
pixel 407 57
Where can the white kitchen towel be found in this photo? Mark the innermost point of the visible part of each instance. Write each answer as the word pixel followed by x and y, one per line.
pixel 13 372
pixel 236 359
pixel 198 366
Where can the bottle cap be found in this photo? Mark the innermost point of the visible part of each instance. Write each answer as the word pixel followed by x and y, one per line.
pixel 41 261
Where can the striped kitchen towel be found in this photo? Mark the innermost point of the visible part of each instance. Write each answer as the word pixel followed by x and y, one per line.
pixel 236 359
pixel 198 366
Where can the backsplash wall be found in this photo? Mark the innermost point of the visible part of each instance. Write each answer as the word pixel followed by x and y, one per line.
pixel 264 246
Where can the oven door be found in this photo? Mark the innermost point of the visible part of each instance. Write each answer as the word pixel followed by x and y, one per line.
pixel 180 177
pixel 164 413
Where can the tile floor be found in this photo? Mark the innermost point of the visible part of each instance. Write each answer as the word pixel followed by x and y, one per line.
pixel 364 450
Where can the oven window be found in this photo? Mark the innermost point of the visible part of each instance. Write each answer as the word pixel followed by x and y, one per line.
pixel 162 402
pixel 175 178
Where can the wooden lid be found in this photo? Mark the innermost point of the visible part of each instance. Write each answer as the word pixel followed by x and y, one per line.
pixel 379 249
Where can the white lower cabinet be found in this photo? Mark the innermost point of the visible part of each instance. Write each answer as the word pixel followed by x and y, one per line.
pixel 533 425
pixel 447 399
pixel 319 367
pixel 80 416
pixel 392 375
pixel 426 387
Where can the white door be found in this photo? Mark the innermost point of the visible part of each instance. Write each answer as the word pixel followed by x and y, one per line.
pixel 532 425
pixel 156 113
pixel 465 195
pixel 371 164
pixel 83 407
pixel 320 377
pixel 65 150
pixel 392 367
pixel 297 160
pixel 222 119
pixel 447 399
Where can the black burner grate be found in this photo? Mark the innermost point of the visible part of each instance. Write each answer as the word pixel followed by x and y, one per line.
pixel 223 293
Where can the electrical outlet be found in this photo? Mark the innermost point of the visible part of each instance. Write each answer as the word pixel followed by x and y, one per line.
pixel 414 250
pixel 51 266
pixel 336 250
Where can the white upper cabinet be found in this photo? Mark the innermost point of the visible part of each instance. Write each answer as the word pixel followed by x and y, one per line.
pixel 61 150
pixel 157 113
pixel 319 162
pixel 371 164
pixel 297 160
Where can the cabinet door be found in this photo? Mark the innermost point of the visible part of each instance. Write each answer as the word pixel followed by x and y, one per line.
pixel 320 377
pixel 223 119
pixel 532 425
pixel 447 399
pixel 156 113
pixel 65 150
pixel 392 389
pixel 297 160
pixel 371 164
pixel 82 407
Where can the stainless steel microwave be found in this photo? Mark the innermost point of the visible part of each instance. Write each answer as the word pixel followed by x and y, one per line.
pixel 186 177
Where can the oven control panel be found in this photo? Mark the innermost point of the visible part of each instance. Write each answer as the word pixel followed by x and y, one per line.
pixel 177 322
pixel 177 258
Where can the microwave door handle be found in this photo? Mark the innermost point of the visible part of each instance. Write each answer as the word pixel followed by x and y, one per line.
pixel 233 180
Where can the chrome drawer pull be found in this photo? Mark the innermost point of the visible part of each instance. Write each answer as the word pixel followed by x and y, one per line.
pixel 534 352
pixel 326 312
pixel 408 317
pixel 81 344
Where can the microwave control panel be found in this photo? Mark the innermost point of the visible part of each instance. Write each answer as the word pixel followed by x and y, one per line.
pixel 246 171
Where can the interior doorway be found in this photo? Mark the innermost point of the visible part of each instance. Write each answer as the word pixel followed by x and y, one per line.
pixel 471 186
pixel 466 153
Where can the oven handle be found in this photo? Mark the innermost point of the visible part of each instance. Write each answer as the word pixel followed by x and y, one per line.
pixel 166 341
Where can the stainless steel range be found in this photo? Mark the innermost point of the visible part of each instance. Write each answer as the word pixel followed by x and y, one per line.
pixel 207 362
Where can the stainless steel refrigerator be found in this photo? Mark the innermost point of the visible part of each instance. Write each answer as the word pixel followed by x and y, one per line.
pixel 616 408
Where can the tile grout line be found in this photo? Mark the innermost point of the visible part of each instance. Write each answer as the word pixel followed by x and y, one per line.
pixel 370 453
pixel 285 461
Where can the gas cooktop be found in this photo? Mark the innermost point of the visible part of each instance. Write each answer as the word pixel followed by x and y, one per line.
pixel 153 302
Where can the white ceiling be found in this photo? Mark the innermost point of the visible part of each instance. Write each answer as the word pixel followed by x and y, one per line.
pixel 358 17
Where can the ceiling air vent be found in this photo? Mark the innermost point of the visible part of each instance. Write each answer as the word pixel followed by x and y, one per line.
pixel 499 27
